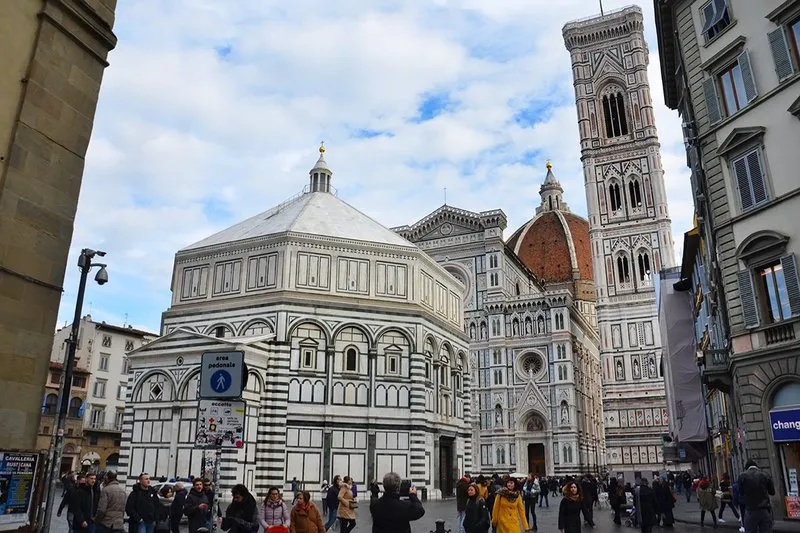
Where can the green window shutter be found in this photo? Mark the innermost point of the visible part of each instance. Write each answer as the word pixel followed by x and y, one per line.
pixel 712 100
pixel 747 296
pixel 748 78
pixel 792 283
pixel 778 42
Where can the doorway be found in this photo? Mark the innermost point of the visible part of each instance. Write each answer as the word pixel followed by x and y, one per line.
pixel 446 466
pixel 537 464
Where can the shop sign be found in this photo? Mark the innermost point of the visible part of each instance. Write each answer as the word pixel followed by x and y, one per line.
pixel 17 478
pixel 792 507
pixel 785 425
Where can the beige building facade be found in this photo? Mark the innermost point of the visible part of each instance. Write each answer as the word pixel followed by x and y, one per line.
pixel 631 237
pixel 54 55
pixel 732 70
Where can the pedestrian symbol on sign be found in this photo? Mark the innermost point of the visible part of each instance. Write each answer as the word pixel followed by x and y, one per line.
pixel 221 381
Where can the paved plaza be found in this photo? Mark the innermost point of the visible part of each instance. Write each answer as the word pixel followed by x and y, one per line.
pixel 446 510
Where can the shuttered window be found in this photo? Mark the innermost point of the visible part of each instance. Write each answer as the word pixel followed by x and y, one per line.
pixel 712 101
pixel 715 18
pixel 780 289
pixel 748 171
pixel 730 90
pixel 792 280
pixel 747 297
pixel 783 42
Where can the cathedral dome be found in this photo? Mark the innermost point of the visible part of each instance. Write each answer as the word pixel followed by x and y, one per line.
pixel 555 243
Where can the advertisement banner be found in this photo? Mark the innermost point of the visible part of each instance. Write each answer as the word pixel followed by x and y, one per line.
pixel 785 425
pixel 17 478
pixel 792 507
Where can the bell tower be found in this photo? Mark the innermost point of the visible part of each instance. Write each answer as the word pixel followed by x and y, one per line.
pixel 630 229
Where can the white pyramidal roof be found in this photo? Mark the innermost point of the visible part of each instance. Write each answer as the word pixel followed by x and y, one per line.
pixel 320 214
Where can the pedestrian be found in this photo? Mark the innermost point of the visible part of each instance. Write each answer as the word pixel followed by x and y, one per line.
pixel 83 505
pixel 530 495
pixel 707 501
pixel 687 486
pixel 374 490
pixel 389 513
pixel 483 490
pixel 569 511
pixel 755 488
pixel 110 517
pixel 587 490
pixel 546 488
pixel 274 511
pixel 176 507
pixel 241 516
pixel 461 499
pixel 508 512
pixel 295 488
pixel 208 490
pixel 333 501
pixel 141 506
pixel 346 512
pixel 665 503
pixel 70 486
pixel 165 497
pixel 646 507
pixel 324 495
pixel 476 516
pixel 196 506
pixel 726 488
pixel 616 495
pixel 304 517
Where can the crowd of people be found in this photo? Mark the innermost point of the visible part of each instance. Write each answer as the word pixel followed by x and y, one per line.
pixel 500 504
pixel 101 507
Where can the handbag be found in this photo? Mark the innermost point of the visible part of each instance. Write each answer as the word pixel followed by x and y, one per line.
pixel 353 504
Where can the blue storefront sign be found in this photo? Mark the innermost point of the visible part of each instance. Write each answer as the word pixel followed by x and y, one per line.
pixel 785 425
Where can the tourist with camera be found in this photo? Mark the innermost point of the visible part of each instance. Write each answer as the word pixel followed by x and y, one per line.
pixel 390 514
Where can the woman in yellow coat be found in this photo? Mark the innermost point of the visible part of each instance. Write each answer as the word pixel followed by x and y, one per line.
pixel 508 513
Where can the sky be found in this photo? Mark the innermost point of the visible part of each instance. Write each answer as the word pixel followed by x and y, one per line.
pixel 211 112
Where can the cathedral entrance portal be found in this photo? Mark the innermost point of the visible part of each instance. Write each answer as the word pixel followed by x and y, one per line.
pixel 536 460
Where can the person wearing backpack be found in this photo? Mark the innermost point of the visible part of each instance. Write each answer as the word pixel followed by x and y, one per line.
pixel 476 515
pixel 530 495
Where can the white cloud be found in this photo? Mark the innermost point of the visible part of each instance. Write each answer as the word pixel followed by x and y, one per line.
pixel 212 112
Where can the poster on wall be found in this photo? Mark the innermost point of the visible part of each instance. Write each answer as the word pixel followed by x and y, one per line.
pixel 792 507
pixel 17 476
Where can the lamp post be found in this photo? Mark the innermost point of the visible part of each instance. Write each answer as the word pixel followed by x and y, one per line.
pixel 57 440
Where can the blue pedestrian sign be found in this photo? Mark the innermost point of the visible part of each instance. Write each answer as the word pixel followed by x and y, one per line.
pixel 222 375
pixel 220 381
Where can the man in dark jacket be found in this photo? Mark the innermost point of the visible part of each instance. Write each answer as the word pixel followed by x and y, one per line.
pixel 461 500
pixel 208 490
pixel 66 498
pixel 176 507
pixel 589 491
pixel 196 506
pixel 390 514
pixel 83 505
pixel 333 501
pixel 141 506
pixel 755 488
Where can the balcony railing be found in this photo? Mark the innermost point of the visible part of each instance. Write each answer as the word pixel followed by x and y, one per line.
pixel 105 426
pixel 779 333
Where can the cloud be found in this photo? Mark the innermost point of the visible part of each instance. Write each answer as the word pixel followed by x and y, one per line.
pixel 211 112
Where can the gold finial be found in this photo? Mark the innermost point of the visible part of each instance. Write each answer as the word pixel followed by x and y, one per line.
pixel 549 165
pixel 322 147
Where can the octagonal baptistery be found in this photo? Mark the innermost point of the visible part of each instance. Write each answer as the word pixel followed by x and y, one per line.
pixel 555 245
pixel 355 346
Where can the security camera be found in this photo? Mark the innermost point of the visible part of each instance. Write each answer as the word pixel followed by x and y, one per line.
pixel 102 276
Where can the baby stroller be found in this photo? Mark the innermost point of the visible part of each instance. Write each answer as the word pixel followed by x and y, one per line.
pixel 631 518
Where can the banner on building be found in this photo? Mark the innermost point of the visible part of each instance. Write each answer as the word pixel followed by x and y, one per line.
pixel 17 480
pixel 785 425
pixel 792 506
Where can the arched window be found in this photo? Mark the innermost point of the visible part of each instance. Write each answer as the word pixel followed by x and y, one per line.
pixel 614 197
pixel 635 194
pixel 501 455
pixel 787 395
pixel 614 114
pixel 623 269
pixel 49 407
pixel 644 266
pixel 74 407
pixel 351 360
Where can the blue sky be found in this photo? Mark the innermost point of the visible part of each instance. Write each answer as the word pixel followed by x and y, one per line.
pixel 212 112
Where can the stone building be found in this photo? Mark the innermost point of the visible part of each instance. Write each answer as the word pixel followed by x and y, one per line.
pixel 737 90
pixel 54 54
pixel 353 337
pixel 529 314
pixel 630 232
